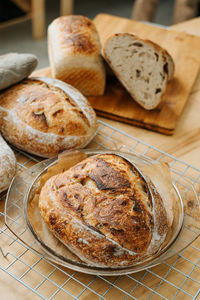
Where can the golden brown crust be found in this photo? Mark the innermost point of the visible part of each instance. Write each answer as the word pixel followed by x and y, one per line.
pixel 80 32
pixel 39 116
pixel 41 106
pixel 75 54
pixel 166 57
pixel 88 81
pixel 103 210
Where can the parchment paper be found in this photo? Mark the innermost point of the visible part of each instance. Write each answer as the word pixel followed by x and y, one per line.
pixel 65 161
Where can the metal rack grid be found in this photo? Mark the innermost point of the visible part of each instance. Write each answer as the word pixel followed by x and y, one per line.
pixel 176 278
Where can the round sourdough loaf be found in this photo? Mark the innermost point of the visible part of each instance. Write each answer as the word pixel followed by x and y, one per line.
pixel 143 67
pixel 44 116
pixel 7 165
pixel 105 211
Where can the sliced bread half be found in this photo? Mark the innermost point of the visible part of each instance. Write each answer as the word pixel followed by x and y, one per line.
pixel 142 66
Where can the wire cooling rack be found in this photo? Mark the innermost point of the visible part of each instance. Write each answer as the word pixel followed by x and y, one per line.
pixel 176 278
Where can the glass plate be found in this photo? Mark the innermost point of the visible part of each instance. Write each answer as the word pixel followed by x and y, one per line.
pixel 30 228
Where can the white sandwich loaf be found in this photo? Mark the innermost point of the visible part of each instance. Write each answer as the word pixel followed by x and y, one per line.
pixel 75 54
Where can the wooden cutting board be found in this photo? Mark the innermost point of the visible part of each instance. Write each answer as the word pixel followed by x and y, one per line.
pixel 118 105
pixel 185 50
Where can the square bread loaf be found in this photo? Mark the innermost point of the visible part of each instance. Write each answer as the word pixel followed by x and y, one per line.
pixel 75 54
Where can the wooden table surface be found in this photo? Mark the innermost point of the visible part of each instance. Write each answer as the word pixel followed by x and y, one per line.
pixel 184 144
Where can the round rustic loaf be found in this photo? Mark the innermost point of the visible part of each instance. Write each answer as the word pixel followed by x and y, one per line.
pixel 44 116
pixel 7 165
pixel 105 211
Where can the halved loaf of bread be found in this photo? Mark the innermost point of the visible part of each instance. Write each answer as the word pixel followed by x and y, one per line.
pixel 75 54
pixel 142 66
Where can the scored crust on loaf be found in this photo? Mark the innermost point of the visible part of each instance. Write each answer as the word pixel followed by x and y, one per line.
pixel 105 211
pixel 142 66
pixel 45 116
pixel 7 165
pixel 75 54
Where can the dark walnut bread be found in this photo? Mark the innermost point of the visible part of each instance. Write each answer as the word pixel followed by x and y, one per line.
pixel 143 67
pixel 44 116
pixel 105 211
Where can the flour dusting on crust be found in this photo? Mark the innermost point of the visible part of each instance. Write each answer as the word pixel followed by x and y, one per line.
pixel 19 131
pixel 7 165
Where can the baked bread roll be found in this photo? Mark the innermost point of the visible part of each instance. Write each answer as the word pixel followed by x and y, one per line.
pixel 106 211
pixel 7 165
pixel 142 66
pixel 44 116
pixel 74 54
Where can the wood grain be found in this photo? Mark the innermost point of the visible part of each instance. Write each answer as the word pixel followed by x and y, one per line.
pixel 38 18
pixel 118 105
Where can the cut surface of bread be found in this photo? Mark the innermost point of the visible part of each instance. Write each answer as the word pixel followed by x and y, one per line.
pixel 143 67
